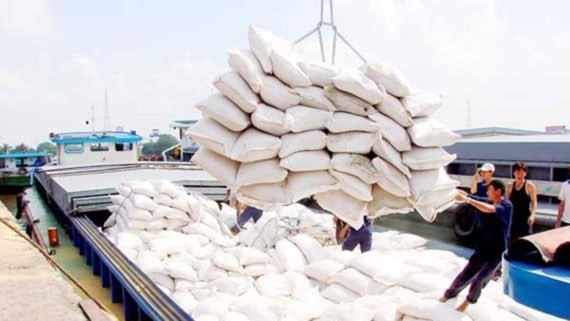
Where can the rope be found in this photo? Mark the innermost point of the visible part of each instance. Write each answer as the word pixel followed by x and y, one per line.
pixel 55 264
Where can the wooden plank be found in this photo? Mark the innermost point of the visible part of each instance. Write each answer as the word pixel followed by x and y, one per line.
pixel 93 312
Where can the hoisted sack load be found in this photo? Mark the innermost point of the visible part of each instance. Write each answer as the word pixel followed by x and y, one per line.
pixel 353 186
pixel 427 158
pixel 344 122
pixel 300 118
pixel 225 112
pixel 245 63
pixel 392 132
pixel 263 43
pixel 305 184
pixel 384 203
pixel 265 196
pixel 270 120
pixel 428 132
pixel 422 103
pixel 237 90
pixel 254 145
pixel 355 82
pixel 314 97
pixel 320 73
pixel 392 79
pixel 222 168
pixel 387 152
pixel 351 142
pixel 266 171
pixel 210 134
pixel 277 94
pixel 432 192
pixel 305 141
pixel 348 102
pixel 393 108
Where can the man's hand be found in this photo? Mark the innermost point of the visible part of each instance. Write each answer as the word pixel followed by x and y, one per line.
pixel 477 175
pixel 461 196
pixel 342 234
pixel 531 220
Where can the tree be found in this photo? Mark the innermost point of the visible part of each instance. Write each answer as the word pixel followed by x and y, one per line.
pixel 47 147
pixel 21 148
pixel 5 149
pixel 164 142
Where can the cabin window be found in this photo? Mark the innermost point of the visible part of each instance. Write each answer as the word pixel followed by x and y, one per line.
pixel 461 169
pixel 21 162
pixel 99 147
pixel 123 147
pixel 538 173
pixel 502 171
pixel 74 148
pixel 560 174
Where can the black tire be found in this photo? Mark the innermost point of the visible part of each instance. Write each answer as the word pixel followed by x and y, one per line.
pixel 464 222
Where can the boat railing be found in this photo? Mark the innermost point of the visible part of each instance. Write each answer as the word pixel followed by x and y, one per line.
pixel 31 228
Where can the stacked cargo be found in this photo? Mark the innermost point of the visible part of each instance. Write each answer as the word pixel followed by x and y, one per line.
pixel 360 141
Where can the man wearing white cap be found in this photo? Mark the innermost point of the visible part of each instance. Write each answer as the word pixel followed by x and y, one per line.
pixel 485 174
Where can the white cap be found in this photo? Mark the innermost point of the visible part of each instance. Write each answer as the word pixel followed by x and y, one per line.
pixel 487 167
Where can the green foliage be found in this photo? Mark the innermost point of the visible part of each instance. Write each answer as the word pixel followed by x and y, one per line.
pixel 164 141
pixel 21 148
pixel 47 147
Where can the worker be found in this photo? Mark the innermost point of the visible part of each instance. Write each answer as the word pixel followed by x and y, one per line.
pixel 353 237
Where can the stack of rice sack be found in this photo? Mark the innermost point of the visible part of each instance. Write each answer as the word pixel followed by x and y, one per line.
pixel 361 141
pixel 211 276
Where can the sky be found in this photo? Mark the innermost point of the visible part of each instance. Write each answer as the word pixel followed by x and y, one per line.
pixel 496 62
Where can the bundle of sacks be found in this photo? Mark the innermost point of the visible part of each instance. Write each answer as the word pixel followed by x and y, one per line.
pixel 212 276
pixel 361 141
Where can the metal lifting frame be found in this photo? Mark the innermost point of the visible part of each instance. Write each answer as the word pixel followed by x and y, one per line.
pixel 335 31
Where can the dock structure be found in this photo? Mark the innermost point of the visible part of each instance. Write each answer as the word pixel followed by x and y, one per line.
pixel 79 197
pixel 33 289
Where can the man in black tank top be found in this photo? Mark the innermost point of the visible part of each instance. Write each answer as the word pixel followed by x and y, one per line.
pixel 522 193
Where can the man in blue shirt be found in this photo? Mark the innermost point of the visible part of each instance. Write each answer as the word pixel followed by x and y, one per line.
pixel 491 243
pixel 362 237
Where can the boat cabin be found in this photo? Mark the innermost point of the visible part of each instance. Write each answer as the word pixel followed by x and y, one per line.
pixel 22 162
pixel 96 147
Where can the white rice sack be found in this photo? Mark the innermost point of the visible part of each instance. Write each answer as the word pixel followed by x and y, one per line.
pixel 117 199
pixel 285 65
pixel 426 185
pixel 179 214
pixel 289 255
pixel 392 79
pixel 300 118
pixel 347 102
pixel 235 316
pixel 314 97
pixel 306 305
pixel 428 132
pixel 222 168
pixel 353 186
pixel 245 63
pixel 226 261
pixel 382 267
pixel 181 203
pixel 425 282
pixel 232 85
pixel 277 94
pixel 259 269
pixel 163 199
pixel 338 293
pixel 139 214
pixel 149 263
pixel 264 196
pixel 356 165
pixel 157 224
pixel 274 285
pixel 320 73
pixel 311 249
pixel 144 188
pixel 305 184
pixel 111 220
pixel 355 82
pixel 387 152
pixel 384 203
pixel 168 188
pixel 427 158
pixel 233 285
pixel 175 224
pixel 351 142
pixel 322 270
pixel 248 255
pixel 161 210
pixel 256 311
pixel 270 120
pixel 525 312
pixel 200 229
pixel 266 171
pixel 338 255
pixel 392 132
pixel 210 306
pixel 209 133
pixel 357 282
pixel 180 269
pixel 124 191
pixel 143 202
pixel 263 42
pixel 163 280
pixel 225 112
pixel 392 179
pixel 346 122
pixel 129 241
pixel 346 207
pixel 444 312
pixel 421 103
pixel 254 145
pixel 134 224
pixel 305 141
pixel 421 309
pixel 393 108
pixel 210 272
pixel 185 300
pixel 306 161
